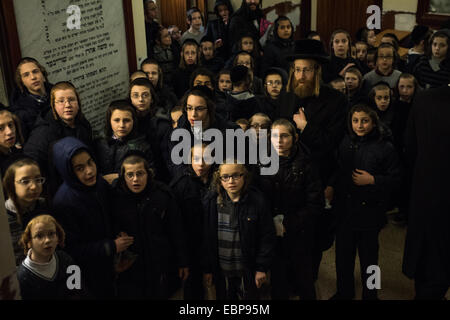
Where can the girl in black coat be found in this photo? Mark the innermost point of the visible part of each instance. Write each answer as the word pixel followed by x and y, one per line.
pixel 152 122
pixel 22 183
pixel 82 206
pixel 11 139
pixel 382 101
pixel 239 235
pixel 341 59
pixel 368 171
pixel 189 188
pixel 190 58
pixel 121 135
pixel 146 210
pixel 281 45
pixel 296 199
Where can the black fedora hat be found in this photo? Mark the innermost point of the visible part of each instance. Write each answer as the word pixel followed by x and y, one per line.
pixel 309 49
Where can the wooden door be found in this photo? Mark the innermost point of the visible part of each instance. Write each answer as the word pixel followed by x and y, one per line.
pixel 173 12
pixel 349 15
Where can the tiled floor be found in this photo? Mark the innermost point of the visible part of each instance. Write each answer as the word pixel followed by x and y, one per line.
pixel 394 285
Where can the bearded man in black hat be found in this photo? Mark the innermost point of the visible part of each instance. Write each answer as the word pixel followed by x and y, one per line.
pixel 320 117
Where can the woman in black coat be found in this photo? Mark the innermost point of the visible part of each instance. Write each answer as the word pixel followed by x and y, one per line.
pixel 146 210
pixel 281 45
pixel 189 188
pixel 368 171
pixel 296 199
pixel 121 136
pixel 427 248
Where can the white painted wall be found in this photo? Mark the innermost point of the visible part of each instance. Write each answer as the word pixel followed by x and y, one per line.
pixel 139 31
pixel 406 20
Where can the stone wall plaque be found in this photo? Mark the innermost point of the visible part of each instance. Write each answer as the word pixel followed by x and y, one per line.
pixel 93 57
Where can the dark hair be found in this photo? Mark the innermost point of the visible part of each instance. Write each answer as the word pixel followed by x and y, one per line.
pixel 16 120
pixel 9 185
pixel 312 34
pixel 394 53
pixel 159 33
pixel 122 105
pixel 370 112
pixel 252 61
pixel 135 157
pixel 256 47
pixel 393 37
pixel 439 34
pixel 406 75
pixel 144 82
pixel 199 92
pixel 349 39
pixel 201 72
pixel 379 86
pixel 188 42
pixel 160 72
pixel 277 24
pixel 18 76
pixel 193 10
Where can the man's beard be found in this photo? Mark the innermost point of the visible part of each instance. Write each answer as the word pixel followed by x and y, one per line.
pixel 305 89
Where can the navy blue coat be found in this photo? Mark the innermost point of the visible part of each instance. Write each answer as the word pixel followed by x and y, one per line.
pixel 84 214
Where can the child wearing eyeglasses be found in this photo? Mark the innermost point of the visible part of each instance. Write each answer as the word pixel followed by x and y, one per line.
pixel 22 183
pixel 239 235
pixel 146 210
pixel 45 272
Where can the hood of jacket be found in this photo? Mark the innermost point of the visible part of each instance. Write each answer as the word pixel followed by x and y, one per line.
pixel 63 152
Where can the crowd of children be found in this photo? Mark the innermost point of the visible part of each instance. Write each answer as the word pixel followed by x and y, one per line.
pixel 140 225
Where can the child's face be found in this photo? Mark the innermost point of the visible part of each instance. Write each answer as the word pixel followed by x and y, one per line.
pixel 383 98
pixel 199 165
pixel 259 122
pixel 175 33
pixel 225 82
pixel 203 80
pixel 371 60
pixel 208 50
pixel 223 11
pixel 141 98
pixel 175 115
pixel 121 123
pixel 353 52
pixel 32 78
pixel 247 44
pixel 273 85
pixel 27 184
pixel 135 177
pixel 351 81
pixel 232 178
pixel 66 105
pixel 339 86
pixel 361 52
pixel 151 70
pixel 244 60
pixel 406 89
pixel 7 131
pixel 284 30
pixel 371 38
pixel 196 21
pixel 340 45
pixel 385 59
pixel 362 124
pixel 282 140
pixel 439 47
pixel 196 109
pixel 190 54
pixel 44 241
pixel 85 168
pixel 166 39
